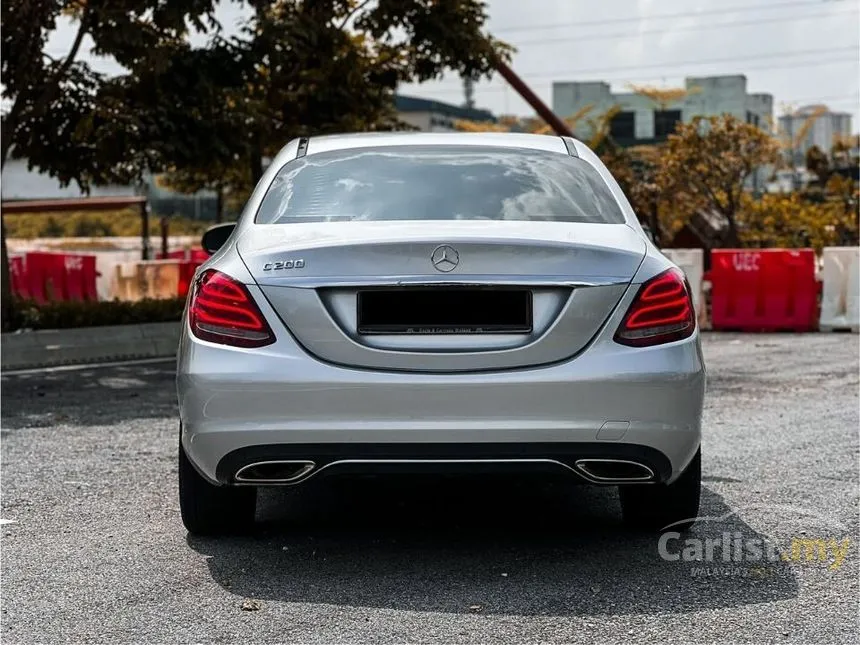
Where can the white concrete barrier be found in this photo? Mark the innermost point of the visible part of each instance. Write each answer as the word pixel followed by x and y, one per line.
pixel 692 263
pixel 146 279
pixel 840 296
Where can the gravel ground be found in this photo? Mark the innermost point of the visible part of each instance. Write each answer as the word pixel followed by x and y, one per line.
pixel 94 551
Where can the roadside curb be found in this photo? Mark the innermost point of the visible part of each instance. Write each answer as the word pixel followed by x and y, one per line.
pixel 57 347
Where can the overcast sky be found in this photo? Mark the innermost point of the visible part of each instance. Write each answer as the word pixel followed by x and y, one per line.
pixel 800 51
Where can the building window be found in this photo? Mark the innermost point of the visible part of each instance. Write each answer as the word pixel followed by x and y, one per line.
pixel 664 122
pixel 753 118
pixel 623 126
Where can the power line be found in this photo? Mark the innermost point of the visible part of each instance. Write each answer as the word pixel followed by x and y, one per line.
pixel 654 76
pixel 663 16
pixel 574 39
pixel 729 59
pixel 842 97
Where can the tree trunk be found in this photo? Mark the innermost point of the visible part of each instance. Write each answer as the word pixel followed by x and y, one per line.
pixel 219 205
pixel 5 279
pixel 5 282
pixel 655 225
pixel 732 240
pixel 256 159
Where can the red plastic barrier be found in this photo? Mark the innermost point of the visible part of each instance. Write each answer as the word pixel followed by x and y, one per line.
pixel 18 277
pixel 44 277
pixel 764 290
pixel 186 275
pixel 191 255
pixel 80 277
pixel 60 276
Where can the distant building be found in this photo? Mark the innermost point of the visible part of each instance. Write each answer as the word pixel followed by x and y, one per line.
pixel 435 116
pixel 824 127
pixel 643 121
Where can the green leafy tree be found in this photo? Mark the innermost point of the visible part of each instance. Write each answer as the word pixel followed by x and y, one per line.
pixel 54 104
pixel 323 67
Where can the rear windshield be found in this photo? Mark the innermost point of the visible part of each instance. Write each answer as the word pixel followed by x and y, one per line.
pixel 438 183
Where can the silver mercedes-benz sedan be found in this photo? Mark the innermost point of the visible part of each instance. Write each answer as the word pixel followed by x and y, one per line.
pixel 438 303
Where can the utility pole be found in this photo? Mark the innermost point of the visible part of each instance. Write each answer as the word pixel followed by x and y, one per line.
pixel 559 126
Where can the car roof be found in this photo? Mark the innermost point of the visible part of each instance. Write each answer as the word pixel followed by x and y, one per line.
pixel 375 139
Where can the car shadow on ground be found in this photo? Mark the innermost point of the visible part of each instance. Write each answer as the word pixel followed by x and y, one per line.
pixel 526 547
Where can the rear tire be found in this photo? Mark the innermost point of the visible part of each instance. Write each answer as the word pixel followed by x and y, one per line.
pixel 213 510
pixel 651 507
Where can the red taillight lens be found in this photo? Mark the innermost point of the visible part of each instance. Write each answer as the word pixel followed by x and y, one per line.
pixel 222 311
pixel 661 312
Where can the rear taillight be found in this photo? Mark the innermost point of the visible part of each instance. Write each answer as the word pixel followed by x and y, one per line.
pixel 661 312
pixel 222 311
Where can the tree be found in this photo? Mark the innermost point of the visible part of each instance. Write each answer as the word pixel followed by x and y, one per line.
pixel 48 97
pixel 818 164
pixel 710 160
pixel 325 67
pixel 637 172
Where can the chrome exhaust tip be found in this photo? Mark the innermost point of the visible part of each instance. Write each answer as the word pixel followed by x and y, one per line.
pixel 614 470
pixel 274 472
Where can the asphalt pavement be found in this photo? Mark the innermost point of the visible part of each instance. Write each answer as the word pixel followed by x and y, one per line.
pixel 93 549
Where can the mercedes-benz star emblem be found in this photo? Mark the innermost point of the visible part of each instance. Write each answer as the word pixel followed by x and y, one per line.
pixel 445 258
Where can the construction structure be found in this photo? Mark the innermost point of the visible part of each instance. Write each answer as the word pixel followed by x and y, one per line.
pixel 813 125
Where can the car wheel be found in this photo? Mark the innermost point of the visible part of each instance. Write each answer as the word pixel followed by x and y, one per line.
pixel 213 510
pixel 652 507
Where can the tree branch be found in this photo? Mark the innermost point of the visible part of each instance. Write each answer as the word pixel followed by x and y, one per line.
pixel 10 122
pixel 355 10
pixel 73 52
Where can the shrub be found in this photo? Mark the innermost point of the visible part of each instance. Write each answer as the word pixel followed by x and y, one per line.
pixel 791 221
pixel 64 315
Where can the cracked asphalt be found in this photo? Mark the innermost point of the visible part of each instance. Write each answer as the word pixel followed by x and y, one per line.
pixel 93 549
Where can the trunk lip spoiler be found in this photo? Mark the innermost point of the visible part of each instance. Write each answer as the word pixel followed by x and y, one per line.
pixel 336 282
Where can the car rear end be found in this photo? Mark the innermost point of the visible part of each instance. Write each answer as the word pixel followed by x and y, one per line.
pixel 384 305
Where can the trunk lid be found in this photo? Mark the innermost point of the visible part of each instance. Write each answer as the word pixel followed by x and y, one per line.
pixel 313 275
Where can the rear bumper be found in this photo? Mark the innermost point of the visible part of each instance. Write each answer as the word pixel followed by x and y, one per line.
pixel 614 397
pixel 306 461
